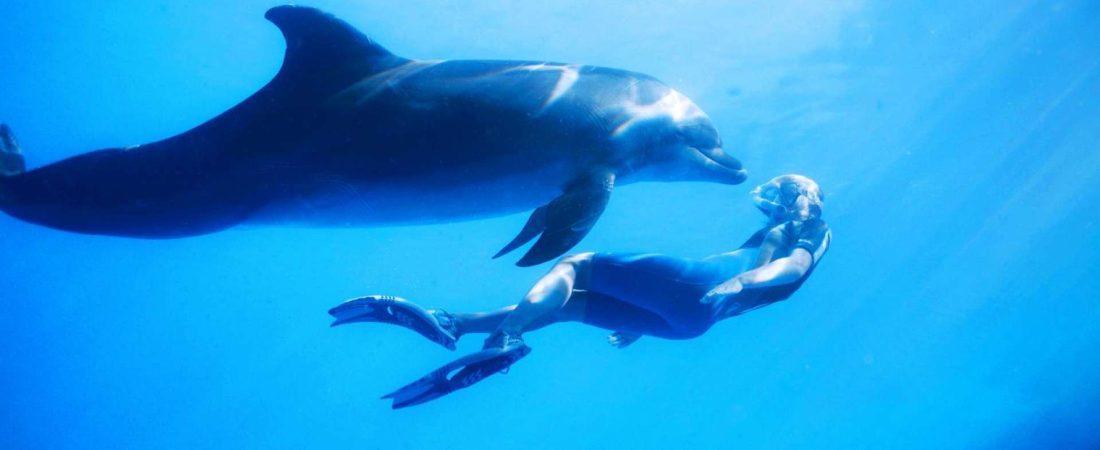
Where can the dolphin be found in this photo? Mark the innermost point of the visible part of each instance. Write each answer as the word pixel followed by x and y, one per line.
pixel 349 134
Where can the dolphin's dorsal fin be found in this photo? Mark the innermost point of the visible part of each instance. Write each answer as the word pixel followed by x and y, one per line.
pixel 324 51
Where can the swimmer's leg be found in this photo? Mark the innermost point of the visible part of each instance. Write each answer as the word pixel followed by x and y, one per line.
pixel 554 298
pixel 668 287
pixel 481 322
pixel 631 299
pixel 489 322
pixel 548 301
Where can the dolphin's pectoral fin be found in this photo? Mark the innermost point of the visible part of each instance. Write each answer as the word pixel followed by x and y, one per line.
pixel 564 221
pixel 535 224
pixel 570 217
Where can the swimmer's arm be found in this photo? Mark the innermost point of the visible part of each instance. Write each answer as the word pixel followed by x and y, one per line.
pixel 781 271
pixel 772 241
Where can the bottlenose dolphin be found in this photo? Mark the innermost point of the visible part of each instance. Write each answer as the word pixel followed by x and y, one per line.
pixel 349 134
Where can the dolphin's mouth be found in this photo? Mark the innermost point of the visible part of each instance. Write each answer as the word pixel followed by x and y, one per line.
pixel 722 166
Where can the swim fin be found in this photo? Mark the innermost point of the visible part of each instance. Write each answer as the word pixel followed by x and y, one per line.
pixel 471 369
pixel 397 311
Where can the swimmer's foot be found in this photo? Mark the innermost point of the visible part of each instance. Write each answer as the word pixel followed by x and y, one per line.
pixel 470 370
pixel 502 340
pixel 435 324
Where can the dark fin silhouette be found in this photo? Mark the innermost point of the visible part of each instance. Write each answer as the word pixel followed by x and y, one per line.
pixel 324 52
pixel 565 220
pixel 11 157
pixel 535 224
pixel 471 369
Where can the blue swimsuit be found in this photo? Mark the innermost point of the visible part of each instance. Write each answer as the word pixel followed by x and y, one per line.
pixel 658 295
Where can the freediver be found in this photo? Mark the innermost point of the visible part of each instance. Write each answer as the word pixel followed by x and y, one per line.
pixel 631 294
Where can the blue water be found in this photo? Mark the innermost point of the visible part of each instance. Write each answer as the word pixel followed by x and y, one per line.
pixel 958 144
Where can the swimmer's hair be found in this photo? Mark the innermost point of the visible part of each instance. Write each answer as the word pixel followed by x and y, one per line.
pixel 806 186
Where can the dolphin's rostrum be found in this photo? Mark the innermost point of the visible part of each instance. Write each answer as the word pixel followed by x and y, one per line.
pixel 349 134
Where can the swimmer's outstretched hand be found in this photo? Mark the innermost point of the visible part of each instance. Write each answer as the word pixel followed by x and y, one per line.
pixel 722 291
pixel 622 339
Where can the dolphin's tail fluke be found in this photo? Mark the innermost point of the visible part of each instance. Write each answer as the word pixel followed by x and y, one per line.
pixel 11 158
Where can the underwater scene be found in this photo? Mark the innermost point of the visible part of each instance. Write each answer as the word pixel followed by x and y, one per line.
pixel 439 224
